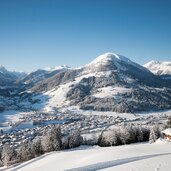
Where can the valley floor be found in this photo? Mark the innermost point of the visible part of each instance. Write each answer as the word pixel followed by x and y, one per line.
pixel 134 157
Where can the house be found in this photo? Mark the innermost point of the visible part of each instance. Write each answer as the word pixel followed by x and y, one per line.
pixel 167 134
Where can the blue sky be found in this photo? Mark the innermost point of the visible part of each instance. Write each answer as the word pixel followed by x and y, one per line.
pixel 41 33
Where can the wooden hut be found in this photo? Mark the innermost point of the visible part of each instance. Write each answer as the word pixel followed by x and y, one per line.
pixel 167 134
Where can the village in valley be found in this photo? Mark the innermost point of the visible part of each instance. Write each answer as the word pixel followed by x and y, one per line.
pixel 32 124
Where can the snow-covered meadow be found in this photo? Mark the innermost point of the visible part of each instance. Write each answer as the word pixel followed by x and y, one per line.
pixel 134 157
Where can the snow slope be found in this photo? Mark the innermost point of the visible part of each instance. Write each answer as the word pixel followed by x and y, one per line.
pixel 159 68
pixel 137 157
pixel 57 97
pixel 110 91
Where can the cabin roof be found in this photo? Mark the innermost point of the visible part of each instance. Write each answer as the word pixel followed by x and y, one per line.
pixel 167 131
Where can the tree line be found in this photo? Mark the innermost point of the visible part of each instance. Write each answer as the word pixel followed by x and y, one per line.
pixel 52 140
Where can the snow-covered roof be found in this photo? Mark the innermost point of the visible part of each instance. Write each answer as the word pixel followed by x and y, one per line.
pixel 167 131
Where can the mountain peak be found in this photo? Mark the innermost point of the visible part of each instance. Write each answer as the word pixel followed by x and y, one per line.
pixel 110 61
pixel 152 62
pixel 158 67
pixel 109 56
pixel 3 69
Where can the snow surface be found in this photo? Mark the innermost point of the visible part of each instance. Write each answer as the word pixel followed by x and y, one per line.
pixel 104 58
pixel 159 68
pixel 167 131
pixel 9 116
pixel 111 92
pixel 135 157
pixel 57 97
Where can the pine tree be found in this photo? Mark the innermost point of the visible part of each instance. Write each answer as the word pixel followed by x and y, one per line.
pixel 75 139
pixel 168 123
pixel 154 134
pixel 109 136
pixel 124 135
pixel 52 140
pixel 102 141
pixel 37 147
pixel 140 134
pixel 25 152
pixel 132 133
pixel 8 154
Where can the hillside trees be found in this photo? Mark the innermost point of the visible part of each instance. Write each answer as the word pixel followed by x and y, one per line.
pixel 154 134
pixel 75 139
pixel 52 139
pixel 124 135
pixel 8 154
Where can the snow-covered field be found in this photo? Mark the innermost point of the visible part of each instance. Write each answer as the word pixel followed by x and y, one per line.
pixel 111 92
pixel 8 116
pixel 135 157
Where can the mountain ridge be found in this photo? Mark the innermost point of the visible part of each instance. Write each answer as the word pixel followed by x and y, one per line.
pixel 129 87
pixel 159 67
pixel 110 82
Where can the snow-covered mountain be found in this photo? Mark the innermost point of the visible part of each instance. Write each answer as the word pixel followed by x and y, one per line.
pixel 110 61
pixel 8 77
pixel 111 82
pixel 159 68
pixel 61 67
pixel 4 71
pixel 13 83
pixel 42 74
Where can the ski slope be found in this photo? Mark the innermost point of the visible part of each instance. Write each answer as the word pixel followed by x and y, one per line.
pixel 135 157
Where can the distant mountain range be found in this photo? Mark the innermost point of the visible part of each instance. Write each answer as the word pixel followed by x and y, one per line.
pixel 111 82
pixel 160 68
pixel 8 77
pixel 41 74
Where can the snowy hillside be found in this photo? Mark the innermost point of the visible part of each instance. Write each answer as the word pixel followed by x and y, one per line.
pixel 111 82
pixel 159 68
pixel 137 157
